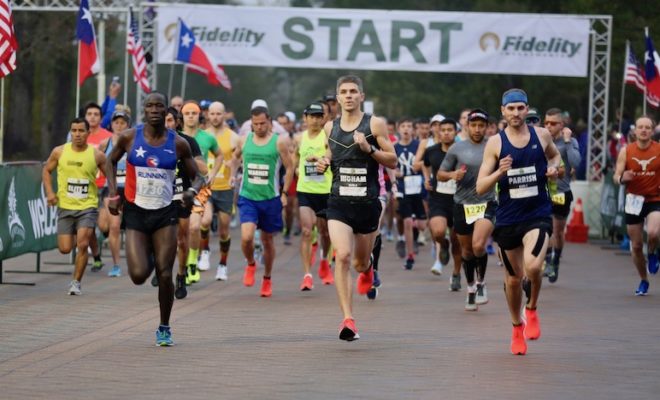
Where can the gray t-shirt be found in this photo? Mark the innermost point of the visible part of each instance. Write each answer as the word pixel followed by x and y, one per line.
pixel 469 154
pixel 570 154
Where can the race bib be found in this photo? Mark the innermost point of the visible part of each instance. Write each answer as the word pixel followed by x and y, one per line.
pixel 153 187
pixel 77 188
pixel 634 204
pixel 559 199
pixel 178 189
pixel 258 174
pixel 474 212
pixel 121 176
pixel 311 174
pixel 448 187
pixel 353 182
pixel 412 184
pixel 522 182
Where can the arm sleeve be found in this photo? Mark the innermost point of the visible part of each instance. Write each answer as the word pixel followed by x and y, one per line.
pixel 107 109
pixel 573 153
pixel 194 148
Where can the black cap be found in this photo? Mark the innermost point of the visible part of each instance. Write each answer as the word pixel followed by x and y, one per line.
pixel 121 114
pixel 476 114
pixel 314 109
pixel 533 116
pixel 204 104
pixel 330 97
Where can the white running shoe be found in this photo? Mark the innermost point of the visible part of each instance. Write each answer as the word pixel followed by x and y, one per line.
pixel 74 288
pixel 221 275
pixel 436 269
pixel 482 294
pixel 204 263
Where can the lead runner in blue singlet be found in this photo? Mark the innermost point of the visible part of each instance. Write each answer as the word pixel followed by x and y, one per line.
pixel 520 160
pixel 149 214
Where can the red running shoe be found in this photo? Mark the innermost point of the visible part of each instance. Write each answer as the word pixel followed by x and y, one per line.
pixel 324 268
pixel 348 331
pixel 518 344
pixel 266 288
pixel 248 276
pixel 532 327
pixel 307 283
pixel 365 280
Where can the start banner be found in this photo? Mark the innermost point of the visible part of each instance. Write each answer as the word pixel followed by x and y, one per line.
pixel 488 43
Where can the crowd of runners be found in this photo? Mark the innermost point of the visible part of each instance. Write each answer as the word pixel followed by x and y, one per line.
pixel 345 182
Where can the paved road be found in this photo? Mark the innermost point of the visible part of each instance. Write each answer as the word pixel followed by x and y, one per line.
pixel 599 341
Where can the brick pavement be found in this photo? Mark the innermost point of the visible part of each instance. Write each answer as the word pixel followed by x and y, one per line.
pixel 599 341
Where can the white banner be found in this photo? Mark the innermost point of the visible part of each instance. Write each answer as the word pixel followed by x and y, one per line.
pixel 489 43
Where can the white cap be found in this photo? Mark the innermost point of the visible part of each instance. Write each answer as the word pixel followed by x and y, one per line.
pixel 437 118
pixel 258 103
pixel 291 115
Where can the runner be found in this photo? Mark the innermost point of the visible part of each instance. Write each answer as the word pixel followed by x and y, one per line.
pixel 77 164
pixel 222 197
pixel 260 202
pixel 313 190
pixel 638 167
pixel 149 213
pixel 519 160
pixel 562 197
pixel 441 199
pixel 358 142
pixel 473 213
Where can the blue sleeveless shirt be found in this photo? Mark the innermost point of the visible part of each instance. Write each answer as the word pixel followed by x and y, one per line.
pixel 523 195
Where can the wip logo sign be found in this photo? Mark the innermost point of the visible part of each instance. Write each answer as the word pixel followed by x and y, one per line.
pixel 216 36
pixel 16 228
pixel 491 42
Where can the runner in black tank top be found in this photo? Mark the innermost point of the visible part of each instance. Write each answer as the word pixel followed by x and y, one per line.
pixel 357 144
pixel 520 159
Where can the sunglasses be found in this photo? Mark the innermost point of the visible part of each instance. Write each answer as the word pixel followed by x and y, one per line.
pixel 552 123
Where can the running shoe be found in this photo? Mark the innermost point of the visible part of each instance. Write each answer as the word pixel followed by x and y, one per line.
pixel 154 280
pixel 436 269
pixel 195 276
pixel 287 239
pixel 180 292
pixel 248 276
pixel 221 275
pixel 471 301
pixel 266 288
pixel 653 262
pixel 527 288
pixel 401 248
pixel 329 278
pixel 389 237
pixel 348 331
pixel 554 273
pixel 444 255
pixel 234 222
pixel 204 263
pixel 415 247
pixel 97 265
pixel 307 283
pixel 74 288
pixel 410 263
pixel 455 284
pixel 312 257
pixel 376 282
pixel 490 249
pixel 372 293
pixel 482 294
pixel 532 326
pixel 547 269
pixel 518 344
pixel 421 239
pixel 324 268
pixel 365 280
pixel 164 336
pixel 642 289
pixel 625 243
pixel 115 271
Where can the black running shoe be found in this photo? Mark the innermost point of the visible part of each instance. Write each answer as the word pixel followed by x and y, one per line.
pixel 154 280
pixel 554 274
pixel 180 292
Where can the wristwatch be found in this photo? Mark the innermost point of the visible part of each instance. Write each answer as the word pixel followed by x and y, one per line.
pixel 373 149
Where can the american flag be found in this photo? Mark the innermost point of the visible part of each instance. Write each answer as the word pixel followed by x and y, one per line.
pixel 135 49
pixel 635 76
pixel 8 43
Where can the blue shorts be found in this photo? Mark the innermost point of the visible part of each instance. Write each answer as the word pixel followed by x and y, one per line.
pixel 266 214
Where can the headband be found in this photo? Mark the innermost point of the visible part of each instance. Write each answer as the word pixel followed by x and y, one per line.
pixel 514 96
pixel 190 107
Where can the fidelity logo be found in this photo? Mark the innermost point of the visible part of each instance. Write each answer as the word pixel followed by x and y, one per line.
pixel 216 36
pixel 490 42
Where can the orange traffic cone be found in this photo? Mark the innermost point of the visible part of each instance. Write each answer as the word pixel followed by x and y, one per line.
pixel 576 230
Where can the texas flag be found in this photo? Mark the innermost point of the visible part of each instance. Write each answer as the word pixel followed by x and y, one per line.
pixel 88 59
pixel 651 63
pixel 189 52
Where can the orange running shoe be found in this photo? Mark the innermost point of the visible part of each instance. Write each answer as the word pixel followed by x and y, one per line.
pixel 248 276
pixel 518 344
pixel 532 328
pixel 348 331
pixel 266 288
pixel 307 283
pixel 365 280
pixel 315 249
pixel 329 279
pixel 324 268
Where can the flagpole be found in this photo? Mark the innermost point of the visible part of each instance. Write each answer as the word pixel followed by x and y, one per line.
pixel 78 83
pixel 623 87
pixel 183 82
pixel 646 34
pixel 174 55
pixel 128 27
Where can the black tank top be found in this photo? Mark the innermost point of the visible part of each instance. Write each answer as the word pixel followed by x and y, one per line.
pixel 354 172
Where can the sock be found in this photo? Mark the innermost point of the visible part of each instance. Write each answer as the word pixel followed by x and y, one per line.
pixel 163 328
pixel 267 278
pixel 557 255
pixel 401 238
pixel 97 258
pixel 376 251
pixel 415 234
pixel 192 256
pixel 205 238
pixel 481 264
pixel 411 256
pixel 253 264
pixel 469 266
pixel 224 249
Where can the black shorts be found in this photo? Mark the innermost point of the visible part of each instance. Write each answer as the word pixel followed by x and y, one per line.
pixel 561 211
pixel 315 201
pixel 362 217
pixel 647 208
pixel 510 237
pixel 181 211
pixel 442 205
pixel 411 206
pixel 149 221
pixel 461 227
pixel 222 201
